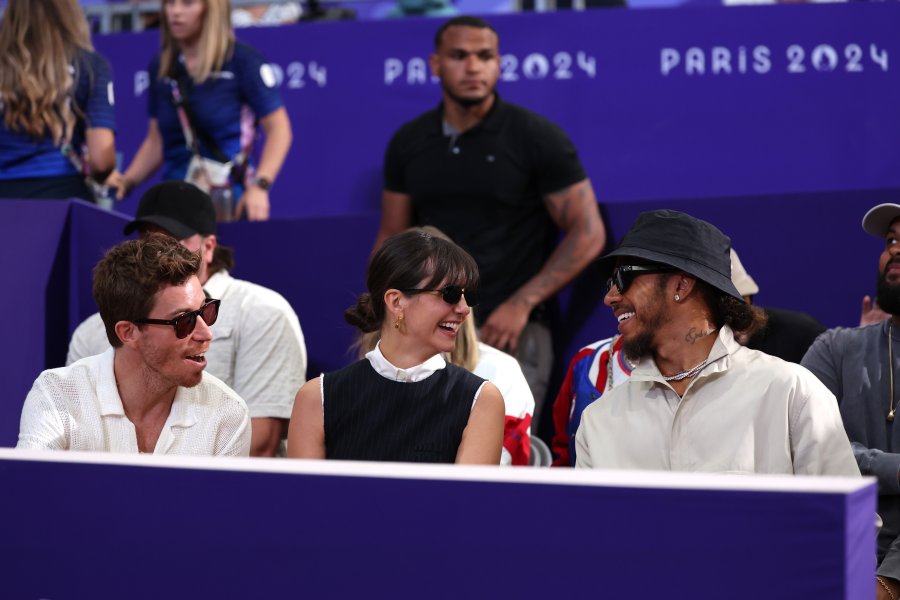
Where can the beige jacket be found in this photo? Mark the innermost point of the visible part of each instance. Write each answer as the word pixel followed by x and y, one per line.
pixel 746 412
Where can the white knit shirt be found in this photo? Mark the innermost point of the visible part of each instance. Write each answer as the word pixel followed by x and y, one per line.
pixel 79 408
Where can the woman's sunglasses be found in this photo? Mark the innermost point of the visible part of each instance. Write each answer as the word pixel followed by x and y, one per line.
pixel 184 324
pixel 450 294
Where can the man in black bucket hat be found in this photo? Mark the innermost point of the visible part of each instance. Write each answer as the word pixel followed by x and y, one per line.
pixel 698 400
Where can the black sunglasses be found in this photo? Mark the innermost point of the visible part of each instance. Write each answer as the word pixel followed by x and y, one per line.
pixel 623 275
pixel 184 324
pixel 450 294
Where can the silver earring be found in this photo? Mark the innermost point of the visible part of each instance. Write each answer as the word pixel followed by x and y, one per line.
pixel 677 298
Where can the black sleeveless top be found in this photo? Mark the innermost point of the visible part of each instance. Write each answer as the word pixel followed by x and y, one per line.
pixel 371 417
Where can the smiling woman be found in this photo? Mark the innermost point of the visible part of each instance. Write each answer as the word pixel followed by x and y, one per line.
pixel 403 402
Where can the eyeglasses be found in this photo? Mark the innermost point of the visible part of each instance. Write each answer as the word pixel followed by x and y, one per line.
pixel 184 324
pixel 450 294
pixel 623 275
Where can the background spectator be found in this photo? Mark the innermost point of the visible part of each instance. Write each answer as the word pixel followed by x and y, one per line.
pixel 211 144
pixel 787 334
pixel 57 99
pixel 266 14
pixel 505 208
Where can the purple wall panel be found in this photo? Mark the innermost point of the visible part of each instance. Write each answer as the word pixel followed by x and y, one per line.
pixel 152 531
pixel 663 103
pixel 31 236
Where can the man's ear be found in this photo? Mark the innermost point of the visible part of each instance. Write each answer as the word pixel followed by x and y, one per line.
pixel 127 332
pixel 208 248
pixel 686 285
pixel 434 62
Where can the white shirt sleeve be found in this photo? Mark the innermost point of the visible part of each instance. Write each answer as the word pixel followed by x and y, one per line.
pixel 88 339
pixel 41 427
pixel 239 443
pixel 819 443
pixel 582 451
pixel 270 360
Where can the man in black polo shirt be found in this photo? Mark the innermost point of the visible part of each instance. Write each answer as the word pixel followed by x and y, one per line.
pixel 495 177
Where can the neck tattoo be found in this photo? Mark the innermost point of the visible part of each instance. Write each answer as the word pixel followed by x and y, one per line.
pixel 693 335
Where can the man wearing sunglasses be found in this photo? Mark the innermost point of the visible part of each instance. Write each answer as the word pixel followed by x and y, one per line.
pixel 259 349
pixel 698 400
pixel 148 393
pixel 601 365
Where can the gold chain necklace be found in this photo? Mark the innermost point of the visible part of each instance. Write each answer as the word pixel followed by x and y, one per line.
pixel 890 340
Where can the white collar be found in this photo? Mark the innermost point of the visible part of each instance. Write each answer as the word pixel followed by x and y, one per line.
pixel 182 413
pixel 384 368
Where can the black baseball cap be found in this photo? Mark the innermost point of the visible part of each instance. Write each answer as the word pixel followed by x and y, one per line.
pixel 676 239
pixel 179 207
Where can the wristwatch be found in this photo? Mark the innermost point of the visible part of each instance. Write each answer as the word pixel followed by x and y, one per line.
pixel 263 183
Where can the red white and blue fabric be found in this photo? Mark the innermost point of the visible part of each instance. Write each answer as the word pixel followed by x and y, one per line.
pixel 585 382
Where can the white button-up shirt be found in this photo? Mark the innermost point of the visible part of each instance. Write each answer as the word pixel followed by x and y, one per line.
pixel 79 408
pixel 746 412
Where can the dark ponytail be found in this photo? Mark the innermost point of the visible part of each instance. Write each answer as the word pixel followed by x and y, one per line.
pixel 362 316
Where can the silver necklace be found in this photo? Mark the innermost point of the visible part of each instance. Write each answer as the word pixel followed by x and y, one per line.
pixel 680 375
pixel 890 340
pixel 609 362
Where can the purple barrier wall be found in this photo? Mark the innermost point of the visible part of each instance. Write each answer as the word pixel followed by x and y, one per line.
pixel 33 252
pixel 146 527
pixel 662 103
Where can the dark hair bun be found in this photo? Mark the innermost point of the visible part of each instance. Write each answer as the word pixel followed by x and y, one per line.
pixel 362 316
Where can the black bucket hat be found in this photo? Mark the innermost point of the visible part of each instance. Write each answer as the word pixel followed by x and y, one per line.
pixel 676 239
pixel 179 207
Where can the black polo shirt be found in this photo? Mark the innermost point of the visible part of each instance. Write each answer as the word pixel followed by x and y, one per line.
pixel 485 188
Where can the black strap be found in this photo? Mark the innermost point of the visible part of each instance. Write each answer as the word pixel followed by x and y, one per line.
pixel 210 144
